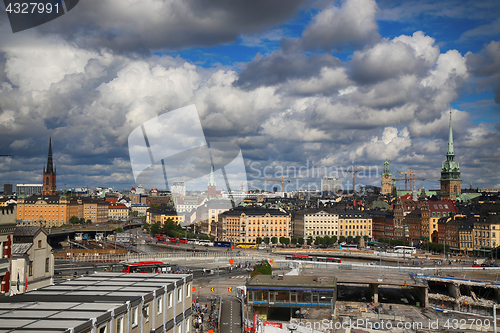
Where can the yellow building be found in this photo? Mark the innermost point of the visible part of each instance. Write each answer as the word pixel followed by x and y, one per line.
pixel 95 210
pixel 45 211
pixel 117 211
pixel 246 225
pixel 486 232
pixel 355 223
pixel 154 215
pixel 466 235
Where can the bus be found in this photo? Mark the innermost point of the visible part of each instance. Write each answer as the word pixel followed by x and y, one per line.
pixel 246 245
pixel 146 267
pixel 223 244
pixel 405 250
pixel 350 247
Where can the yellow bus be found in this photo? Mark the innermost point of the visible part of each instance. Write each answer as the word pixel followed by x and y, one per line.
pixel 246 245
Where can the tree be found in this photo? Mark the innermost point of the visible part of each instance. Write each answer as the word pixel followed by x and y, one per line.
pixel 74 220
pixel 285 240
pixel 82 220
pixel 89 221
pixel 156 228
pixel 266 240
pixel 334 239
pixel 263 268
pixel 274 240
pixel 294 240
pixel 358 239
pixel 258 240
pixel 342 239
pixel 349 239
pixel 118 229
pixel 318 240
pixel 309 240
pixel 366 238
pixel 300 241
pixel 135 213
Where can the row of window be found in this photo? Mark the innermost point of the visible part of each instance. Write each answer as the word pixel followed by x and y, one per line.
pixel 357 233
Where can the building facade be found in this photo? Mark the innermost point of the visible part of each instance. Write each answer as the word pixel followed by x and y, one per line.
pixel 246 225
pixel 7 227
pixel 32 260
pixel 355 223
pixel 316 222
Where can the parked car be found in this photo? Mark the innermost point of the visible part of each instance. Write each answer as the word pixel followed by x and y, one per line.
pixel 262 247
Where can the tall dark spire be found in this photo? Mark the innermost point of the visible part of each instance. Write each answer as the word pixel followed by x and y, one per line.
pixel 50 164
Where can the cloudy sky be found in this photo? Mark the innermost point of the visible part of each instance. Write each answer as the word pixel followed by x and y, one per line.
pixel 313 86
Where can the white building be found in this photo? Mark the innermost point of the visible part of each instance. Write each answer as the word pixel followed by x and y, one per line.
pixel 179 188
pixel 330 184
pixel 29 189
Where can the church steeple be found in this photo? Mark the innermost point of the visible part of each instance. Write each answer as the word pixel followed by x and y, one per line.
pixel 211 190
pixel 386 179
pixel 450 173
pixel 49 174
pixel 450 141
pixel 50 164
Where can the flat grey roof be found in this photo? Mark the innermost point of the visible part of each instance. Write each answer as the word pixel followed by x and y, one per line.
pixel 72 304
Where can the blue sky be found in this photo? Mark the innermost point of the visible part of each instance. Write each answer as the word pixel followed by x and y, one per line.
pixel 317 85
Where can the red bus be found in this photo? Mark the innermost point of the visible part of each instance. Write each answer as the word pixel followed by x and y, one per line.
pixel 145 267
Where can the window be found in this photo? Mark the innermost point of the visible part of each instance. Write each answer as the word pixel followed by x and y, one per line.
pixel 179 294
pixel 179 328
pixel 158 305
pixel 47 265
pixel 39 243
pixel 135 316
pixel 188 290
pixel 30 268
pixel 103 329
pixel 145 312
pixel 119 325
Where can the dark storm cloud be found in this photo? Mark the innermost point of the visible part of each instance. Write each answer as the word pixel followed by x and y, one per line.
pixel 279 67
pixel 143 26
pixel 486 66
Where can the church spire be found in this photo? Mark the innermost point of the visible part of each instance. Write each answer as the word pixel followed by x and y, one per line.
pixel 450 140
pixel 211 182
pixel 50 164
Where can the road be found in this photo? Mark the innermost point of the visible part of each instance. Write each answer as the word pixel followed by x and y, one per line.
pixel 230 321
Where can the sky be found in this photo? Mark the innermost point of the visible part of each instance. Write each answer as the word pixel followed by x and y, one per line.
pixel 305 89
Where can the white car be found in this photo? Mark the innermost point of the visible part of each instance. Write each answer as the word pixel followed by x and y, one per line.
pixel 262 247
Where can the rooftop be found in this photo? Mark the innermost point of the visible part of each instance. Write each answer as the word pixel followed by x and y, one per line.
pixel 292 281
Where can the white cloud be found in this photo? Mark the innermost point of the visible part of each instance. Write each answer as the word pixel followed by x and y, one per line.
pixel 352 23
pixel 388 146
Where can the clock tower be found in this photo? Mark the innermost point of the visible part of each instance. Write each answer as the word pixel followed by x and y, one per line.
pixel 386 179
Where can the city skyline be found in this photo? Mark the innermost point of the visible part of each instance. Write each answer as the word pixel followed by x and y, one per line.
pixel 297 85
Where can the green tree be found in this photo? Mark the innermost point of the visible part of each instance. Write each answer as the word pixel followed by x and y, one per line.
pixel 74 220
pixel 285 240
pixel 294 240
pixel 266 240
pixel 258 240
pixel 82 220
pixel 334 240
pixel 89 221
pixel 118 229
pixel 318 240
pixel 300 241
pixel 365 238
pixel 263 268
pixel 274 240
pixel 135 213
pixel 349 239
pixel 342 239
pixel 309 240
pixel 156 228
pixel 204 237
pixel 358 239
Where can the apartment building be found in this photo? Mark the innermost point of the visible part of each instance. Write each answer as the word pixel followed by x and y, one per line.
pixel 355 223
pixel 102 303
pixel 316 222
pixel 7 227
pixel 487 231
pixel 246 225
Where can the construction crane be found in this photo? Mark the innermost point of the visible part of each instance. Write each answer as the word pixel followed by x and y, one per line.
pixel 282 181
pixel 10 171
pixel 354 171
pixel 410 177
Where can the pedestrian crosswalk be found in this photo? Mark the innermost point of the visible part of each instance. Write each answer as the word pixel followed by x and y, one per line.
pixel 239 277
